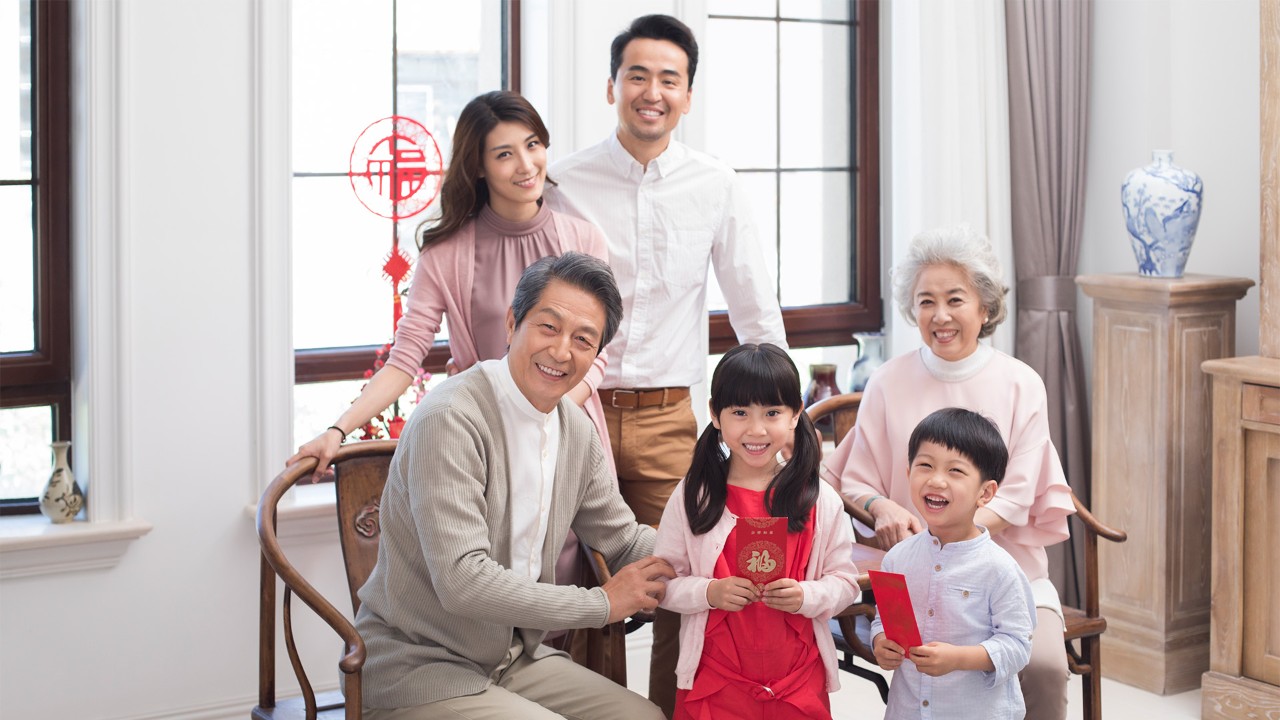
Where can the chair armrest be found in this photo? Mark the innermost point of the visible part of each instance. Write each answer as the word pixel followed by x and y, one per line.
pixel 353 656
pixel 1095 525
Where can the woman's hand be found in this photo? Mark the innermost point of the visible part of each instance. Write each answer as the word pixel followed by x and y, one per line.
pixel 889 654
pixel 784 594
pixel 451 368
pixel 893 522
pixel 323 447
pixel 731 594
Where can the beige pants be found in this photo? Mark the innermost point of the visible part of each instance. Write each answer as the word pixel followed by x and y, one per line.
pixel 1044 679
pixel 553 687
pixel 652 448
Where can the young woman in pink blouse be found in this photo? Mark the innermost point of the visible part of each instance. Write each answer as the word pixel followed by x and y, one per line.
pixel 492 226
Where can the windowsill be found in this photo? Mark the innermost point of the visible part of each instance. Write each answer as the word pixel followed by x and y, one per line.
pixel 31 545
pixel 305 514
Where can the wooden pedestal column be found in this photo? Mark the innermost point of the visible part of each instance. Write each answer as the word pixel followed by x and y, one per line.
pixel 1152 470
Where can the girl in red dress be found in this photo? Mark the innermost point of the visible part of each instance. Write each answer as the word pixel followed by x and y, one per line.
pixel 756 650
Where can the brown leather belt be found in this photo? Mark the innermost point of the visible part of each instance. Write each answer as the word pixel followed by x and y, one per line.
pixel 632 399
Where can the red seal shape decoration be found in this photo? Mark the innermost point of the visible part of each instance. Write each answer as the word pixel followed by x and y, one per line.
pixel 396 168
pixel 762 561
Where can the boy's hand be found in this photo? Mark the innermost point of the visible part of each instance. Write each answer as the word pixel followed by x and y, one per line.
pixel 888 653
pixel 784 594
pixel 935 658
pixel 731 594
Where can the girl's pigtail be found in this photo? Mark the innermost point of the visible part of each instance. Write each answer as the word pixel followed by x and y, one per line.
pixel 794 490
pixel 705 485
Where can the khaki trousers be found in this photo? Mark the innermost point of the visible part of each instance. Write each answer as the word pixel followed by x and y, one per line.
pixel 546 689
pixel 1044 679
pixel 652 448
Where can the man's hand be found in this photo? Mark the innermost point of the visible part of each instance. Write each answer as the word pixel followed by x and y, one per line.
pixel 731 594
pixel 638 586
pixel 894 523
pixel 784 594
pixel 889 654
pixel 935 658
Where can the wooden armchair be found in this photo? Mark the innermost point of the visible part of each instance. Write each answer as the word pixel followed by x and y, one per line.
pixel 1085 625
pixel 360 471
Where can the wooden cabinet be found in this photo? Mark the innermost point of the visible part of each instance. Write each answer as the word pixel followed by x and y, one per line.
pixel 1152 434
pixel 1243 680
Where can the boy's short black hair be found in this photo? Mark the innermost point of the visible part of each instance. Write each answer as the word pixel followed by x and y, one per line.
pixel 965 432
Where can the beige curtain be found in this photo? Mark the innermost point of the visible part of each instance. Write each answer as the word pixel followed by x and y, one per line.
pixel 1048 59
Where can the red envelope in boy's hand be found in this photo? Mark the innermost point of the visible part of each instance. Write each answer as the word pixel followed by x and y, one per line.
pixel 762 549
pixel 894 604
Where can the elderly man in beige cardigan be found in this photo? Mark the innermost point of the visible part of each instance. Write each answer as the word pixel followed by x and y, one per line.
pixel 493 469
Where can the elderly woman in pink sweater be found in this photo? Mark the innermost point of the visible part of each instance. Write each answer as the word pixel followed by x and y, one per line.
pixel 951 287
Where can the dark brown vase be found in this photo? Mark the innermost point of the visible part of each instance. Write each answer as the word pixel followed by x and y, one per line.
pixel 822 386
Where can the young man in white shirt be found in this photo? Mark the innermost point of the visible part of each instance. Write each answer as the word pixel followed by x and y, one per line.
pixel 669 213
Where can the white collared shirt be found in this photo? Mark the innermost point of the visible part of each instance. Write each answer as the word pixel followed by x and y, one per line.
pixel 665 227
pixel 533 445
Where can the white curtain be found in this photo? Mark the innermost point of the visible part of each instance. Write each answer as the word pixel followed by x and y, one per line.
pixel 948 121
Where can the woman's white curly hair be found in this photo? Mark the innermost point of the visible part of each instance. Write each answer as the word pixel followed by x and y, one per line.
pixel 960 246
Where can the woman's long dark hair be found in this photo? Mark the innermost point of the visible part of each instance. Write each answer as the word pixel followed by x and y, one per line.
pixel 464 192
pixel 754 375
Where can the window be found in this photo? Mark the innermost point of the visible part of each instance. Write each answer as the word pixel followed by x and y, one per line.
pixel 35 274
pixel 790 91
pixel 422 59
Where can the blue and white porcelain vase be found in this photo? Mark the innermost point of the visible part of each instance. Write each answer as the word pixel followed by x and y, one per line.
pixel 1162 211
pixel 870 356
pixel 61 500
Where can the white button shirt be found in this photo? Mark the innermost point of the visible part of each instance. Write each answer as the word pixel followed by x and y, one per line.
pixel 533 445
pixel 665 227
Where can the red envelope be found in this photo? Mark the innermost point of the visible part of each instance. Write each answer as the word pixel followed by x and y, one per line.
pixel 894 604
pixel 762 549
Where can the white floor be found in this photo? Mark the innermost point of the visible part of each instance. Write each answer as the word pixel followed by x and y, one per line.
pixel 858 699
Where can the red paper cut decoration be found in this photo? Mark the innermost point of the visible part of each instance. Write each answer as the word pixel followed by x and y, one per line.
pixel 396 168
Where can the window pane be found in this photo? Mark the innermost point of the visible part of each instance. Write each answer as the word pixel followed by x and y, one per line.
pixel 448 52
pixel 340 297
pixel 15 90
pixel 25 458
pixel 815 229
pixel 317 405
pixel 17 271
pixel 749 8
pixel 739 91
pixel 816 9
pixel 762 188
pixel 815 95
pixel 341 78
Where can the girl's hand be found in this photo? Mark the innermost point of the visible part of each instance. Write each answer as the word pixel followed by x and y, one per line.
pixel 894 523
pixel 889 654
pixel 731 594
pixel 935 658
pixel 784 594
pixel 323 446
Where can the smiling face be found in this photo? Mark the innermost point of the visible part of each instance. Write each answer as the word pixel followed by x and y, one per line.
pixel 515 169
pixel 651 92
pixel 556 343
pixel 947 489
pixel 755 433
pixel 948 311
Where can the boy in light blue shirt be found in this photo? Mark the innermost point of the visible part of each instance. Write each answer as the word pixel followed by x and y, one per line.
pixel 972 602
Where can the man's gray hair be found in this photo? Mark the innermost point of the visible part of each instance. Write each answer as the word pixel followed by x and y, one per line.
pixel 961 246
pixel 584 272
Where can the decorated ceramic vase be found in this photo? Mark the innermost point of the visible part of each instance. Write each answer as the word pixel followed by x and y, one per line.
pixel 1162 210
pixel 870 356
pixel 61 500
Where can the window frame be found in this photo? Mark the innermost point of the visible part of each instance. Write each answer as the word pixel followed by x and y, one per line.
pixel 314 365
pixel 834 323
pixel 42 376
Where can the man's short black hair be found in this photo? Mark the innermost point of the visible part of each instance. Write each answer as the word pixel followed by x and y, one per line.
pixel 965 432
pixel 584 272
pixel 655 27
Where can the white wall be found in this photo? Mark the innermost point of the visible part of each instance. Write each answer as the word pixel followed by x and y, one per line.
pixel 1182 75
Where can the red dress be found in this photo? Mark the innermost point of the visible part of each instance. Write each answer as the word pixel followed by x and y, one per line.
pixel 758 663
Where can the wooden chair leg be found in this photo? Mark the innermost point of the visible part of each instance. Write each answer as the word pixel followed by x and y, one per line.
pixel 1093 683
